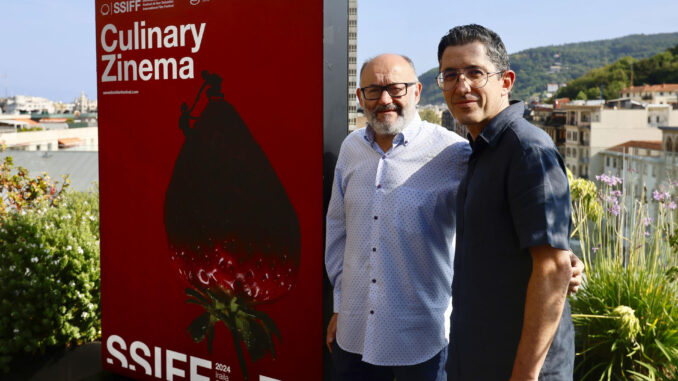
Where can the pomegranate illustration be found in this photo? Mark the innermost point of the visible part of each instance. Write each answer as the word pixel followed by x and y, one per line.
pixel 232 232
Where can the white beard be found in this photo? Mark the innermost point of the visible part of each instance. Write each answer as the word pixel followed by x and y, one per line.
pixel 391 128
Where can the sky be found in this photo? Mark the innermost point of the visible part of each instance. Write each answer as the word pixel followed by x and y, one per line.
pixel 414 28
pixel 47 47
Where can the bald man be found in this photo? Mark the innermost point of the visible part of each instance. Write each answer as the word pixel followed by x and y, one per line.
pixel 390 230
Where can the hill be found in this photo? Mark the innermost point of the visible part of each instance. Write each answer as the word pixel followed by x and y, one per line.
pixel 658 69
pixel 537 67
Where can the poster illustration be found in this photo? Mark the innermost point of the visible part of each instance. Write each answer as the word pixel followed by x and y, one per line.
pixel 210 123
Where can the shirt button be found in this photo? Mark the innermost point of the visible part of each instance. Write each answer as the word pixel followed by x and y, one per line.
pixel 378 186
pixel 376 218
pixel 374 249
pixel 371 312
pixel 374 281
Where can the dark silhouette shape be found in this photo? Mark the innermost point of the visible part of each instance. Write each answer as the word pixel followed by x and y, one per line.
pixel 233 233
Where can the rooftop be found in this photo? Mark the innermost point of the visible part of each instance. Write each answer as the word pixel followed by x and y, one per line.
pixel 644 144
pixel 651 88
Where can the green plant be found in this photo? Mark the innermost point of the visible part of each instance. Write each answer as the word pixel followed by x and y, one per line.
pixel 49 276
pixel 20 192
pixel 626 313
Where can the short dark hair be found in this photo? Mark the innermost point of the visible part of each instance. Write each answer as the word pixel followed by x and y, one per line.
pixel 367 62
pixel 466 34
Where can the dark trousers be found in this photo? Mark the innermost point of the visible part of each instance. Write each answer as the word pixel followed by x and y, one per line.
pixel 349 366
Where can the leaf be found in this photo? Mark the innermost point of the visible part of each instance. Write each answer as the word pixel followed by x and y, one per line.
pixel 196 294
pixel 198 328
pixel 236 342
pixel 194 301
pixel 268 323
pixel 663 349
pixel 210 336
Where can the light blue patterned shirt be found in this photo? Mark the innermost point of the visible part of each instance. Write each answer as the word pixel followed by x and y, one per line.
pixel 390 242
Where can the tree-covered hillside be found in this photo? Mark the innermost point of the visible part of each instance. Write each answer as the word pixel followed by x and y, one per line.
pixel 562 63
pixel 661 68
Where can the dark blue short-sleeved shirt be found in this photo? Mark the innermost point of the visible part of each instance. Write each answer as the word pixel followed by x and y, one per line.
pixel 515 195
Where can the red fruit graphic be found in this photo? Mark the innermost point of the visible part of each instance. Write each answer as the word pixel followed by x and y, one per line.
pixel 232 231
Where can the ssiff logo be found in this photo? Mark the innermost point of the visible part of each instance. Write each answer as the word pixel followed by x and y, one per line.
pixel 118 7
pixel 195 2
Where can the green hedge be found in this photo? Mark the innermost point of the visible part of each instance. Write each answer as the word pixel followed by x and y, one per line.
pixel 49 277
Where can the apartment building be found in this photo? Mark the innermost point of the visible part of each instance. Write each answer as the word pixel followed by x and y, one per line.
pixel 352 62
pixel 666 93
pixel 641 164
pixel 594 126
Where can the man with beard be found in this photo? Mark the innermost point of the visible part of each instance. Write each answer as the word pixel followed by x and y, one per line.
pixel 390 227
pixel 390 234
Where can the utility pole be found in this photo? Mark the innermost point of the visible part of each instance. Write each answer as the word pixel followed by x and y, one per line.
pixel 631 74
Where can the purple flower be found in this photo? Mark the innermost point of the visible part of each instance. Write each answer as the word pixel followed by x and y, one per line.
pixel 615 193
pixel 595 249
pixel 614 209
pixel 672 205
pixel 656 196
pixel 647 221
pixel 647 234
pixel 609 180
pixel 610 199
pixel 661 196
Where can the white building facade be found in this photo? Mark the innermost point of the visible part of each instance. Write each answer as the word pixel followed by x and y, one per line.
pixel 591 128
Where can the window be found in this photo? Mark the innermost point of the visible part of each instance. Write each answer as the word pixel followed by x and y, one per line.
pixel 614 163
pixel 607 161
pixel 574 135
pixel 568 152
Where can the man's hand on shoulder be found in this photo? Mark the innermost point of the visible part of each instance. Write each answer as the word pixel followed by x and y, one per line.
pixel 331 332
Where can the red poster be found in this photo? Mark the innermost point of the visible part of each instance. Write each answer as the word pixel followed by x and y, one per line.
pixel 210 123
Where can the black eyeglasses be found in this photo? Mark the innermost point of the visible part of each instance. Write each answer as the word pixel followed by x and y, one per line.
pixel 475 78
pixel 394 90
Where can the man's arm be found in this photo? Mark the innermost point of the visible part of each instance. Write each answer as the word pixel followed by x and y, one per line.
pixel 335 244
pixel 546 293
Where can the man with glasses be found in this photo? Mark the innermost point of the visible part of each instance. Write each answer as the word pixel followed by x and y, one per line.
pixel 511 319
pixel 390 230
pixel 390 234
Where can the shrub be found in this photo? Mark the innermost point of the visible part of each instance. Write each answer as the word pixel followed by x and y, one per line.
pixel 18 191
pixel 626 312
pixel 49 276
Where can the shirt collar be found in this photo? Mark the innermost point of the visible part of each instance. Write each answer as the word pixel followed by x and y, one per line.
pixel 493 130
pixel 404 137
